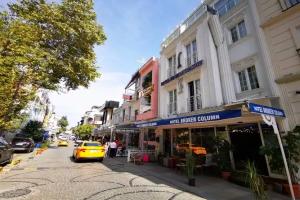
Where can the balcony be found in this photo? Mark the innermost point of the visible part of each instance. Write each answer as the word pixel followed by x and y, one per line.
pixel 171 71
pixel 172 108
pixel 194 103
pixel 191 59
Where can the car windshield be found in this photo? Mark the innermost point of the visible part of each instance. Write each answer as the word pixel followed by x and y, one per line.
pixel 91 145
pixel 20 140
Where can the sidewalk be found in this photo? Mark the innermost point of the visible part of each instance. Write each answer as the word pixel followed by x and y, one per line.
pixel 206 186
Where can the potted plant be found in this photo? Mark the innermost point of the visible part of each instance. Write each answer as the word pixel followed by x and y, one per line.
pixel 223 157
pixel 255 182
pixel 291 143
pixel 190 168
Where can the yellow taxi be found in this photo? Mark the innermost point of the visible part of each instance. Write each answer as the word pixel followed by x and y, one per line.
pixel 62 143
pixel 88 150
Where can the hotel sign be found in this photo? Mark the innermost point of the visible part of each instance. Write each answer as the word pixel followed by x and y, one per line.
pixel 213 116
pixel 266 110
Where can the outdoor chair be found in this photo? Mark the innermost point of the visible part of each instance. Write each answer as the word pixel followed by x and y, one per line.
pixel 138 159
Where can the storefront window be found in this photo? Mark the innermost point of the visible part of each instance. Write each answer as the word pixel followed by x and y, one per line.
pixel 149 139
pixel 204 137
pixel 133 139
pixel 180 142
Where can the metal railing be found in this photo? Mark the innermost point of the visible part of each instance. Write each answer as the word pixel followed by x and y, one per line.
pixel 191 60
pixel 171 71
pixel 172 108
pixel 194 103
pixel 186 24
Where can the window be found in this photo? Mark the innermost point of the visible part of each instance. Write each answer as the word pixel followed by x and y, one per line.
pixel 191 53
pixel 129 112
pixel 172 101
pixel 194 99
pixel 243 81
pixel 248 79
pixel 239 31
pixel 224 6
pixel 252 77
pixel 172 66
pixel 291 3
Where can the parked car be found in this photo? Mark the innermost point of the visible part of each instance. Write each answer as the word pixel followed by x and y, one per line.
pixel 23 144
pixel 6 152
pixel 89 150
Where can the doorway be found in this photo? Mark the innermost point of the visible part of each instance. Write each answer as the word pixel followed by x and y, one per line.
pixel 246 143
pixel 167 141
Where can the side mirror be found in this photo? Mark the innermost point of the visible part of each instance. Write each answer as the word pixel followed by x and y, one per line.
pixel 75 145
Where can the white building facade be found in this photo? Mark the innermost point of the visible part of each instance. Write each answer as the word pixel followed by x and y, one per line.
pixel 212 65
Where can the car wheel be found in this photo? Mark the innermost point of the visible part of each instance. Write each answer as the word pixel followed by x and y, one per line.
pixel 10 159
pixel 28 151
pixel 100 159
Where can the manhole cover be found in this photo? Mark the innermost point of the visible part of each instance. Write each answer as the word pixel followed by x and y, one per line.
pixel 14 193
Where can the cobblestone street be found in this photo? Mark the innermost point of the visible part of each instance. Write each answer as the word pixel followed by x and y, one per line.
pixel 54 175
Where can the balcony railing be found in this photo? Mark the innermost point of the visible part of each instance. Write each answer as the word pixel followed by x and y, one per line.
pixel 172 108
pixel 185 25
pixel 171 71
pixel 191 60
pixel 194 103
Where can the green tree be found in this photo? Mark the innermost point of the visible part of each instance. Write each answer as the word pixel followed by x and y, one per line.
pixel 34 129
pixel 83 131
pixel 63 123
pixel 45 46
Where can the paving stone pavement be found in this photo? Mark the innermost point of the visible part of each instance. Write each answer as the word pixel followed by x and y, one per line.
pixel 54 175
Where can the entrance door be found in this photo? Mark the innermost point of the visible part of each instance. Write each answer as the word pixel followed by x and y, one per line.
pixel 167 141
pixel 246 142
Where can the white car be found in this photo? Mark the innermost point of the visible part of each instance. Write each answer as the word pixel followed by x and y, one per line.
pixel 62 137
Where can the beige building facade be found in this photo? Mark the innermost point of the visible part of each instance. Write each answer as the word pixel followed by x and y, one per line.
pixel 280 25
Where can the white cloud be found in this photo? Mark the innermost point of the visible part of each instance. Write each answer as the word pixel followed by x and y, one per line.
pixel 110 86
pixel 141 61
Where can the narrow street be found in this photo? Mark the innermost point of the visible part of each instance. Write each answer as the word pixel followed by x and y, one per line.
pixel 54 175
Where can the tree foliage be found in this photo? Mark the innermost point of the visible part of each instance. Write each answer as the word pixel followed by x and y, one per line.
pixel 83 131
pixel 63 123
pixel 45 45
pixel 34 130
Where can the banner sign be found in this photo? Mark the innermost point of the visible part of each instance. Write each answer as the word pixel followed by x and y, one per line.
pixel 213 116
pixel 261 109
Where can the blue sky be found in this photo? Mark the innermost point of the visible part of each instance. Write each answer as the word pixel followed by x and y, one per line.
pixel 134 30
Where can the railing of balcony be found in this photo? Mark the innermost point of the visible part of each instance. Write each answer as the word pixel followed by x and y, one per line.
pixel 172 108
pixel 171 71
pixel 191 60
pixel 187 23
pixel 194 103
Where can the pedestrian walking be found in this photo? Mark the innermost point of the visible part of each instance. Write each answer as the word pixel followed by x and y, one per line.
pixel 112 149
pixel 106 148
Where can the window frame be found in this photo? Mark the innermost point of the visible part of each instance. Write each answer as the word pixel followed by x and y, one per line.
pixel 238 31
pixel 249 83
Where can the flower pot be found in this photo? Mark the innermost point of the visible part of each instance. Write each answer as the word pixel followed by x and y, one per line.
pixel 296 188
pixel 192 182
pixel 226 175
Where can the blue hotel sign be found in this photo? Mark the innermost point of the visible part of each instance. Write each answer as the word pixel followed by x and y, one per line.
pixel 213 116
pixel 261 109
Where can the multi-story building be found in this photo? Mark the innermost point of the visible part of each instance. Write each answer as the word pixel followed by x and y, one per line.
pixel 140 105
pixel 279 22
pixel 212 65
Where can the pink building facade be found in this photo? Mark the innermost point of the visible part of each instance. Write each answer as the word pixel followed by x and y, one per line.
pixel 148 102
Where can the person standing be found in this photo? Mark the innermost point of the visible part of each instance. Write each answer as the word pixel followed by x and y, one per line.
pixel 113 149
